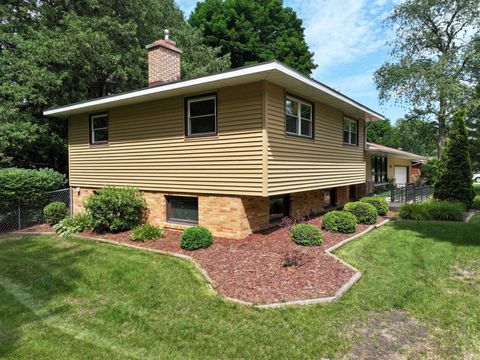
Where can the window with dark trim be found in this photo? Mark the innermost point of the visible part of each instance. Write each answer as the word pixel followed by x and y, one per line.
pixel 279 207
pixel 182 210
pixel 329 198
pixel 350 131
pixel 379 169
pixel 201 115
pixel 99 128
pixel 298 117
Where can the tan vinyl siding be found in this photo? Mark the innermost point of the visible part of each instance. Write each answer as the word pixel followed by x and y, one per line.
pixel 297 164
pixel 147 147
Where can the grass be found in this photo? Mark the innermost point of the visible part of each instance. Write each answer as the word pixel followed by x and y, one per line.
pixel 68 298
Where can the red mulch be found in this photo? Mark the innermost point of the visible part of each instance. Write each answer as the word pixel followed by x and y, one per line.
pixel 38 228
pixel 251 269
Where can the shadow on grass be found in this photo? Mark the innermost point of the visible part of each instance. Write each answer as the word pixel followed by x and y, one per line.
pixel 457 233
pixel 33 271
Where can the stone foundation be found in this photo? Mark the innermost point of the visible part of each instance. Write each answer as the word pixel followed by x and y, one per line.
pixel 230 216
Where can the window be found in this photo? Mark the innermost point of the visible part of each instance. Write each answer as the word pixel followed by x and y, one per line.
pixel 182 210
pixel 298 117
pixel 279 207
pixel 99 129
pixel 201 116
pixel 379 169
pixel 330 198
pixel 352 193
pixel 350 131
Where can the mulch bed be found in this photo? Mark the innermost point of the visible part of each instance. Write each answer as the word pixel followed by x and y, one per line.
pixel 252 269
pixel 38 229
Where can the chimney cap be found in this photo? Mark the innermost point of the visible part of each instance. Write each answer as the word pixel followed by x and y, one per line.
pixel 166 43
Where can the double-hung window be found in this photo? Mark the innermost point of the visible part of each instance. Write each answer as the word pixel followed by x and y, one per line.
pixel 350 131
pixel 99 128
pixel 201 116
pixel 298 117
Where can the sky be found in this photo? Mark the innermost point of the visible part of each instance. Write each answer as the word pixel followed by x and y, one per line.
pixel 349 40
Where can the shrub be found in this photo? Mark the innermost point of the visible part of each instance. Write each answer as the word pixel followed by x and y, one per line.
pixel 340 222
pixel 307 234
pixel 415 211
pixel 55 212
pixel 445 210
pixel 429 171
pixel 364 212
pixel 146 232
pixel 24 186
pixel 378 203
pixel 476 202
pixel 115 208
pixel 74 224
pixel 455 169
pixel 433 210
pixel 196 237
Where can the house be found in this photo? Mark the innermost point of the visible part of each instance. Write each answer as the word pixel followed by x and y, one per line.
pixel 389 165
pixel 234 151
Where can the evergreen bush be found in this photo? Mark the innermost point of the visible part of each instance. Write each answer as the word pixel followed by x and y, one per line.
pixel 307 235
pixel 378 202
pixel 55 212
pixel 364 212
pixel 196 237
pixel 340 222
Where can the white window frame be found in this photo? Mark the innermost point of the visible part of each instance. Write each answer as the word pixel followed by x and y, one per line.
pixel 357 124
pixel 198 99
pixel 93 128
pixel 299 117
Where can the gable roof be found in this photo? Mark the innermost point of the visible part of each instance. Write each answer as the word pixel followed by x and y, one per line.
pixel 377 148
pixel 272 71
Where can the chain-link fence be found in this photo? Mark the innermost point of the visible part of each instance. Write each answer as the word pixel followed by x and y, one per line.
pixel 23 216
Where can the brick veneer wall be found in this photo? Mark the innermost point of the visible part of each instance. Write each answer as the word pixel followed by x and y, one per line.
pixel 230 216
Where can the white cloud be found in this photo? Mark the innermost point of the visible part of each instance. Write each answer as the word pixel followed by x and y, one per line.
pixel 341 32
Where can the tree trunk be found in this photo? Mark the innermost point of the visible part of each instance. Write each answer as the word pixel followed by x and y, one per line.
pixel 442 125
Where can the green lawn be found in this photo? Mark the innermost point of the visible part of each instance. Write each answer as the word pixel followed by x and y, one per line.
pixel 419 296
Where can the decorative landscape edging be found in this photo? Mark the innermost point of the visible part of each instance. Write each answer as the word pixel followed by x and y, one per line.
pixel 211 284
pixel 469 215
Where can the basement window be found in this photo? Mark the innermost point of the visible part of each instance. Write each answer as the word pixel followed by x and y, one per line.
pixel 182 210
pixel 298 117
pixel 99 128
pixel 350 131
pixel 279 207
pixel 201 116
pixel 330 198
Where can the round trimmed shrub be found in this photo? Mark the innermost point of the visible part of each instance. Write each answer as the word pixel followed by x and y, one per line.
pixel 116 208
pixel 476 202
pixel 55 212
pixel 146 232
pixel 196 237
pixel 307 235
pixel 364 212
pixel 340 222
pixel 378 202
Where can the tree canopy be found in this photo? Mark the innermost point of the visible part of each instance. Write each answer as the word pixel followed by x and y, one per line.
pixel 430 66
pixel 254 31
pixel 56 52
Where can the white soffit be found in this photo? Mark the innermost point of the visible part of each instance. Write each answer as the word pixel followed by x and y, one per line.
pixel 274 72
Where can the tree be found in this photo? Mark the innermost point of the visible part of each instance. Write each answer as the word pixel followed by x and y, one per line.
pixel 382 132
pixel 430 58
pixel 56 52
pixel 416 135
pixel 455 170
pixel 254 31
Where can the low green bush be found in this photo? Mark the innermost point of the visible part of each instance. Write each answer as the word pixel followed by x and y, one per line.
pixel 116 208
pixel 378 202
pixel 414 211
pixel 55 212
pixel 196 237
pixel 26 186
pixel 433 210
pixel 146 232
pixel 74 224
pixel 445 210
pixel 307 235
pixel 476 202
pixel 364 212
pixel 340 222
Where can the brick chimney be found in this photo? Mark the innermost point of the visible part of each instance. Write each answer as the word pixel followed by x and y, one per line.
pixel 163 61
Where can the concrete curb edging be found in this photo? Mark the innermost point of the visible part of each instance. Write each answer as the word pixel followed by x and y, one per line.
pixel 470 215
pixel 211 284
